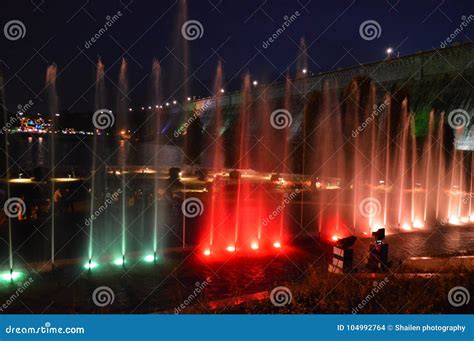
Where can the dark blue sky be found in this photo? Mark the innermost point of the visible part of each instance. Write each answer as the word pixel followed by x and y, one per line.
pixel 234 31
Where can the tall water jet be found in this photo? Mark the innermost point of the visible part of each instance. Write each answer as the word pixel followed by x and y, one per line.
pixel 405 127
pixel 413 170
pixel 371 116
pixel 99 104
pixel 242 157
pixel 6 147
pixel 122 105
pixel 217 152
pixel 428 161
pixel 328 159
pixel 302 60
pixel 53 106
pixel 156 90
pixel 285 164
pixel 441 163
pixel 352 113
pixel 388 100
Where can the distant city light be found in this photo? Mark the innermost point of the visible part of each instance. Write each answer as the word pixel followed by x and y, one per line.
pixel 255 83
pixel 167 104
pixel 222 90
pixel 305 71
pixel 189 99
pixel 149 107
pixel 156 106
pixel 129 109
pixel 389 51
pixel 174 102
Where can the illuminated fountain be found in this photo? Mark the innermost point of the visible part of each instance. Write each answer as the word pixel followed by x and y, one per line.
pixel 99 105
pixel 122 106
pixel 53 107
pixel 156 91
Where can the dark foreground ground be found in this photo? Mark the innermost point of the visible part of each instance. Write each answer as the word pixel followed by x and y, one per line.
pixel 187 283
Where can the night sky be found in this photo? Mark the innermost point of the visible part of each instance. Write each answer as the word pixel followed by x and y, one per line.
pixel 234 31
